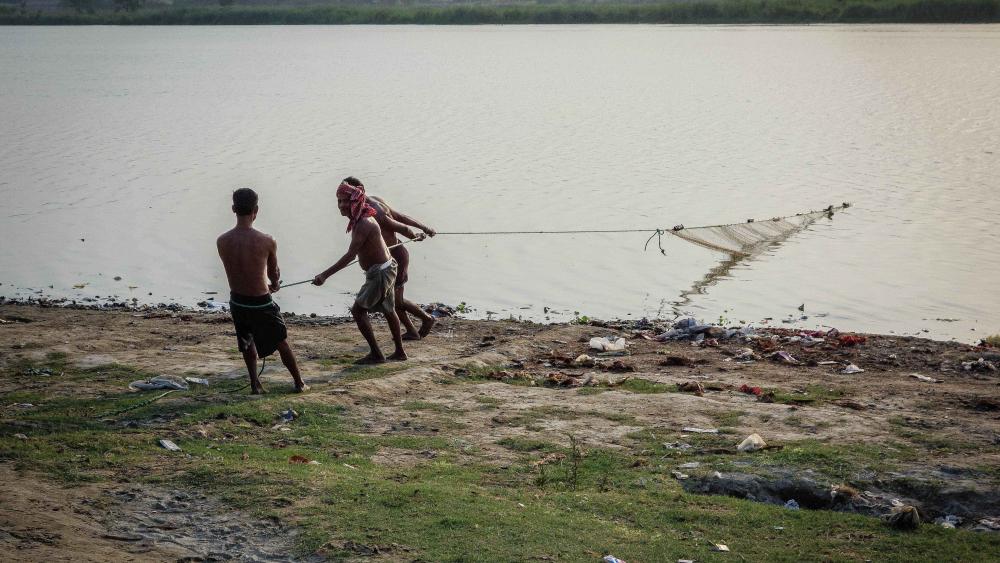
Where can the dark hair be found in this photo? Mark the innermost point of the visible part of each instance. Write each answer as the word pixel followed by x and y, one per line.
pixel 244 201
pixel 353 181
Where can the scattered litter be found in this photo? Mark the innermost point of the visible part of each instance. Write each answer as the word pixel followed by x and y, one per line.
pixel 949 521
pixel 779 528
pixel 79 285
pixel 987 525
pixel 299 459
pixel 606 345
pixel 851 339
pixel 792 504
pixel 170 446
pixel 350 466
pixel 584 361
pixel 690 465
pixel 677 446
pixel 678 475
pixel 784 357
pixel 720 547
pixel 289 415
pixel 619 366
pixel 20 436
pixel 751 390
pixel 827 363
pixel 924 378
pixel 612 559
pixel 23 406
pixel 979 365
pixel 716 475
pixel 851 368
pixel 746 355
pixel 196 380
pixel 700 430
pixel 670 361
pixel 751 443
pixel 685 561
pixel 42 372
pixel 158 382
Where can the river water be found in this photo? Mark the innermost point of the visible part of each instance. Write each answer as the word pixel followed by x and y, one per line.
pixel 121 147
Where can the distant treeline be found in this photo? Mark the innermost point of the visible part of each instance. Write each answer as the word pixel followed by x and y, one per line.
pixel 131 12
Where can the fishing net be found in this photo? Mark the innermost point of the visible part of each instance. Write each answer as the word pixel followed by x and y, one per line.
pixel 749 238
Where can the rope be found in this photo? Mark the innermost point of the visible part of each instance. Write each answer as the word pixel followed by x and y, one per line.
pixel 354 262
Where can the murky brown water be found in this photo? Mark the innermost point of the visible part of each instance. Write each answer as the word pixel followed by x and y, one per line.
pixel 133 138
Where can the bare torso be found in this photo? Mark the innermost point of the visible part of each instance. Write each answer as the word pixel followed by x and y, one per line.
pixel 246 254
pixel 373 249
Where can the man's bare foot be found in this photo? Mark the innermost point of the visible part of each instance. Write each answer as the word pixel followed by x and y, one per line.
pixel 426 326
pixel 301 388
pixel 371 359
pixel 398 356
pixel 411 336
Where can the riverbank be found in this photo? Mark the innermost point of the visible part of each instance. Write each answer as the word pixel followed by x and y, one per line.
pixel 687 12
pixel 495 438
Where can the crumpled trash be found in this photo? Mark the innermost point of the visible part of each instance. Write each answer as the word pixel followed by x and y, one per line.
pixel 213 305
pixel 987 525
pixel 612 559
pixel 924 378
pixel 584 361
pixel 784 357
pixel 690 465
pixel 20 436
pixel 751 390
pixel 679 475
pixel 751 443
pixel 792 504
pixel 719 547
pixel 170 446
pixel 196 380
pixel 851 339
pixel 158 382
pixel 302 460
pixel 619 366
pixel 949 521
pixel 692 387
pixel 289 415
pixel 696 430
pixel 605 345
pixel 746 355
pixel 851 368
pixel 979 365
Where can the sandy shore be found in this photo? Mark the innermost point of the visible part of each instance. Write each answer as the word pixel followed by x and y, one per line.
pixel 488 384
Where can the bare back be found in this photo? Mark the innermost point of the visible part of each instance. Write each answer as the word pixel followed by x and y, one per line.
pixel 248 255
pixel 384 216
pixel 371 246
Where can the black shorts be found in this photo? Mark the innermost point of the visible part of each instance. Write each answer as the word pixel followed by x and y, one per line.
pixel 258 323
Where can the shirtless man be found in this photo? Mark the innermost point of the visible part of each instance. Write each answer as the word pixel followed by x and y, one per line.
pixel 248 255
pixel 390 221
pixel 377 293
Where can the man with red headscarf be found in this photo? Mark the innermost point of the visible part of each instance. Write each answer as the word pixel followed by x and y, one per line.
pixel 391 221
pixel 377 293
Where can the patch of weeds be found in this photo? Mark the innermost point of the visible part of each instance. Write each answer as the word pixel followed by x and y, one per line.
pixel 488 402
pixel 993 340
pixel 639 385
pixel 519 444
pixel 424 406
pixel 361 373
pixel 814 395
pixel 727 418
pixel 592 390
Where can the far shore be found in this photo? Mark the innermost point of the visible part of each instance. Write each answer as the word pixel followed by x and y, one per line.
pixel 681 12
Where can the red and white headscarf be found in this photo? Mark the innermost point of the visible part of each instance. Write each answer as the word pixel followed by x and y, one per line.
pixel 360 207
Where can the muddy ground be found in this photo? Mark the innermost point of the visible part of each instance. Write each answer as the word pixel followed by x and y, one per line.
pixel 524 372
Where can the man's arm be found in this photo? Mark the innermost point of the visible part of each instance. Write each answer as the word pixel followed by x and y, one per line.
pixel 404 219
pixel 273 273
pixel 361 232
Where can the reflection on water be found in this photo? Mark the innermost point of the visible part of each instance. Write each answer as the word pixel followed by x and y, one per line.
pixel 121 146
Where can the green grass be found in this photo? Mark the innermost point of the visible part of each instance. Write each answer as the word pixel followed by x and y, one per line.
pixel 576 506
pixel 691 11
pixel 639 385
pixel 814 395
